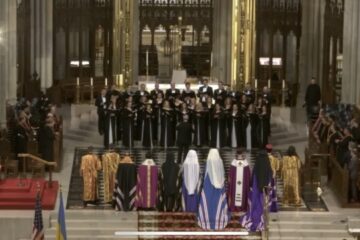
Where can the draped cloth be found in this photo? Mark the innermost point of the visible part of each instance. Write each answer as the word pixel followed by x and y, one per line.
pixel 124 194
pixel 238 185
pixel 147 185
pixel 290 174
pixel 110 161
pixel 213 211
pixel 90 165
pixel 191 182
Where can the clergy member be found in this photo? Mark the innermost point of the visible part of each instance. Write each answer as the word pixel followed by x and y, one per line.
pixel 290 172
pixel 191 183
pixel 110 161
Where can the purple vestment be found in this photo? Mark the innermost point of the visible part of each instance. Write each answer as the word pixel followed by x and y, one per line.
pixel 147 186
pixel 273 197
pixel 231 191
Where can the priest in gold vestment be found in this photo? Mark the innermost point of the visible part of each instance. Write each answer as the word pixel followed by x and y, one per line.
pixel 290 173
pixel 110 162
pixel 90 165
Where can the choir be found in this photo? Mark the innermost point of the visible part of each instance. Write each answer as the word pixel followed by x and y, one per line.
pixel 220 118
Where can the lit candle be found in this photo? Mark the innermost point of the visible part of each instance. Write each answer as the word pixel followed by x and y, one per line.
pixel 256 83
pixel 269 83
pixel 91 82
pixel 283 84
pixel 121 79
pixel 77 81
pixel 147 57
pixel 106 82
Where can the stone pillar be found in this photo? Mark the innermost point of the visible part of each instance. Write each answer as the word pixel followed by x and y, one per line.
pixel 351 53
pixel 222 40
pixel 311 44
pixel 41 37
pixel 135 41
pixel 8 56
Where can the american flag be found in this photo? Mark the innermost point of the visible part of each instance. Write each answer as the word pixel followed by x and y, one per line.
pixel 38 228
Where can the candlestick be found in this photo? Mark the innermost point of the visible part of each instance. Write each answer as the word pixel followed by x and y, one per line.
pixel 269 83
pixel 256 83
pixel 77 81
pixel 106 82
pixel 121 79
pixel 147 57
pixel 91 82
pixel 283 83
pixel 211 60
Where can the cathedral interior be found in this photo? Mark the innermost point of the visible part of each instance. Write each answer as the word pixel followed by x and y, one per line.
pixel 60 59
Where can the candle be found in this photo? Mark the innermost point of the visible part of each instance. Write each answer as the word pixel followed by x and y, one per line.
pixel 269 83
pixel 147 57
pixel 211 60
pixel 106 82
pixel 256 83
pixel 91 82
pixel 77 81
pixel 121 79
pixel 283 84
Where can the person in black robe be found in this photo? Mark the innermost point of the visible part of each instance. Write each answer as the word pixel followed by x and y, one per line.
pixel 139 107
pixel 200 129
pixel 147 135
pixel 113 91
pixel 263 127
pixel 242 124
pixel 184 130
pixel 205 92
pixel 220 94
pixel 126 95
pixel 187 94
pixel 208 110
pixel 218 123
pixel 228 120
pixel 170 185
pixel 342 146
pixel 128 118
pixel 253 121
pixel 312 98
pixel 157 114
pixel 112 123
pixel 46 141
pixel 140 94
pixel 249 93
pixel 154 94
pixel 167 121
pixel 234 138
pixel 21 139
pixel 234 95
pixel 171 94
pixel 100 103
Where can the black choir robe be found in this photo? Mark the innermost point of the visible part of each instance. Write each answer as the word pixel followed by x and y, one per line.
pixel 253 120
pixel 46 143
pixel 220 96
pixel 167 128
pixel 147 135
pixel 186 96
pixel 200 128
pixel 242 124
pixel 125 187
pixel 112 125
pixel 208 109
pixel 228 122
pixel 139 94
pixel 128 117
pixel 235 96
pixel 171 95
pixel 157 110
pixel 100 103
pixel 234 123
pixel 154 94
pixel 204 91
pixel 263 130
pixel 218 130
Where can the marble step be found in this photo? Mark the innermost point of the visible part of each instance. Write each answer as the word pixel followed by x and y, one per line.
pixel 308 234
pixel 87 237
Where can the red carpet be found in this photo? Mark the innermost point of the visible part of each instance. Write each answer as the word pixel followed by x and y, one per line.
pixel 21 194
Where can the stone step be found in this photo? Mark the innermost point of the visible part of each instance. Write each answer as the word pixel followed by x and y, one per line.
pixel 288 141
pixel 308 233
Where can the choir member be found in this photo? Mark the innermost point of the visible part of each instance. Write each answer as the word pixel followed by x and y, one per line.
pixel 184 130
pixel 187 94
pixel 291 165
pixel 213 211
pixel 275 167
pixel 46 140
pixel 57 120
pixel 170 185
pixel 251 129
pixel 220 94
pixel 205 92
pixel 140 94
pixel 128 119
pixel 154 94
pixel 100 103
pixel 263 127
pixel 355 130
pixel 113 91
pixel 200 128
pixel 218 134
pixel 312 98
pixel 342 146
pixel 147 134
pixel 249 93
pixel 239 183
pixel 267 100
pixel 227 112
pixel 147 184
pixel 167 125
pixel 112 123
pixel 90 165
pixel 172 93
pixel 234 95
pixel 243 104
pixel 208 110
pixel 234 130
pixel 157 110
pixel 253 220
pixel 127 94
pixel 125 185
pixel 191 183
pixel 21 138
pixel 110 160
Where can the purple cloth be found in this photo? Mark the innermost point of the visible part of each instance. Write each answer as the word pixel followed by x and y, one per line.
pixel 232 189
pixel 147 186
pixel 190 202
pixel 273 197
pixel 253 220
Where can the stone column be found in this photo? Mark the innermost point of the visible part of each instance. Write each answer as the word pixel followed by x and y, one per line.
pixel 8 56
pixel 135 40
pixel 311 44
pixel 351 53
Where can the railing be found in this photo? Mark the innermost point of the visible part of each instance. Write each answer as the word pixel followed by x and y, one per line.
pixel 26 156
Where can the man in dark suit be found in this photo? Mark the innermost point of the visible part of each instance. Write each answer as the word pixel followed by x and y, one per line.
pixel 184 137
pixel 187 93
pixel 172 93
pixel 312 98
pixel 220 94
pixel 154 93
pixel 205 91
pixel 249 93
pixel 46 140
pixel 100 103
pixel 141 93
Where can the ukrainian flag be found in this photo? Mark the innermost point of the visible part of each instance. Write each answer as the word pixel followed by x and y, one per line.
pixel 61 228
